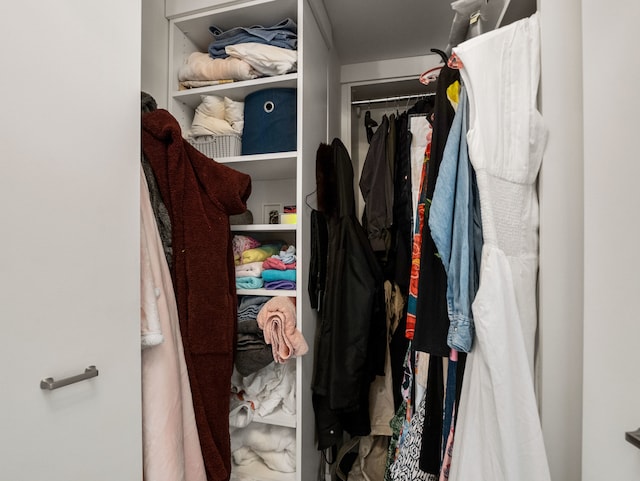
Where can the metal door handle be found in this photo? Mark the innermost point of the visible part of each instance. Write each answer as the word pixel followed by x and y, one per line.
pixel 49 383
pixel 633 437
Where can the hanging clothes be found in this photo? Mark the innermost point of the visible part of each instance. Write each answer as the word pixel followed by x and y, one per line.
pixel 399 262
pixel 163 221
pixel 416 241
pixel 399 259
pixel 171 446
pixel 200 194
pixel 455 222
pixel 376 185
pixel 369 124
pixel 406 466
pixel 498 433
pixel 351 337
pixel 454 219
pixel 432 318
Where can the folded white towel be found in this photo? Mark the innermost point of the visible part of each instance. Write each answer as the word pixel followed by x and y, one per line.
pixel 267 59
pixel 274 445
pixel 252 269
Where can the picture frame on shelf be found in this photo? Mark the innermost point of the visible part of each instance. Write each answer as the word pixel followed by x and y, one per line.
pixel 271 213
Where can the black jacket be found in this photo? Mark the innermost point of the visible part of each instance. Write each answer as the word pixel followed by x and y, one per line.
pixel 350 339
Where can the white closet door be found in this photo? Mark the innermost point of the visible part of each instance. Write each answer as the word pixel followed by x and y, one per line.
pixel 611 387
pixel 69 284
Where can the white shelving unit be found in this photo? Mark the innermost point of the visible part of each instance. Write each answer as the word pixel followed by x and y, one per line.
pixel 282 178
pixel 277 418
pixel 264 228
pixel 266 292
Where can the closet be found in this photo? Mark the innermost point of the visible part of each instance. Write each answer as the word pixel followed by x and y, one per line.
pixel 69 283
pixel 358 82
pixel 286 178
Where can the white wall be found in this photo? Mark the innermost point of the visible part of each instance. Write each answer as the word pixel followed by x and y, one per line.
pixel 611 403
pixel 561 239
pixel 155 45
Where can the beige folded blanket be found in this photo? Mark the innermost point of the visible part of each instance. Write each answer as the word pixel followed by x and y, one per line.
pixel 194 84
pixel 200 66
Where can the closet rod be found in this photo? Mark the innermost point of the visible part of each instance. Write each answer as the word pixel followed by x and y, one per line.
pixel 392 99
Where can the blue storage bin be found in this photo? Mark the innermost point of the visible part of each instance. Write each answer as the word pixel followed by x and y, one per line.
pixel 270 118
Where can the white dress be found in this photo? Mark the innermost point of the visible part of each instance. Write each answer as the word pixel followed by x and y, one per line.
pixel 498 433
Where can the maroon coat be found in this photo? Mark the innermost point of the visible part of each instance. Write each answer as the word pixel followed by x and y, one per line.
pixel 200 194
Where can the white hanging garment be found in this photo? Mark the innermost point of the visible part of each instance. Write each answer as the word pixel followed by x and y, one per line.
pixel 498 433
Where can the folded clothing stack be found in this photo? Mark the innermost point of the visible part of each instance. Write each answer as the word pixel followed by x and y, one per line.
pixel 260 394
pixel 199 70
pixel 275 446
pixel 283 34
pixel 252 352
pixel 272 266
pixel 279 271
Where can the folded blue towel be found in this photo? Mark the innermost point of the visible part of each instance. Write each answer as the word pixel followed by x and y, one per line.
pixel 277 275
pixel 249 283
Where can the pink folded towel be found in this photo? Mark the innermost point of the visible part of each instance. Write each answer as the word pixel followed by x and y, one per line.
pixel 277 319
pixel 275 263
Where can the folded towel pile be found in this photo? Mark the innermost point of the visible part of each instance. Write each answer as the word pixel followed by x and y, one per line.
pixel 277 319
pixel 271 265
pixel 252 352
pixel 275 446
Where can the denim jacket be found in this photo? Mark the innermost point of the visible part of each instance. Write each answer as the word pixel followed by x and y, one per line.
pixel 456 229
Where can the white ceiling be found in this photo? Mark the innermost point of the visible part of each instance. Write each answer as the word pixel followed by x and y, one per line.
pixel 369 30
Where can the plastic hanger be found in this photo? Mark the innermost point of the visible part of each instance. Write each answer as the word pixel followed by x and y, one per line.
pixel 455 62
pixel 368 121
pixel 431 75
